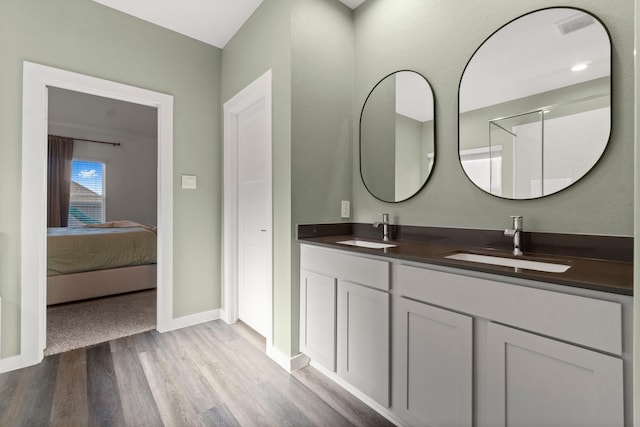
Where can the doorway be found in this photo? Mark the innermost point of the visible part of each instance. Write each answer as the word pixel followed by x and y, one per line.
pixel 113 181
pixel 248 241
pixel 37 79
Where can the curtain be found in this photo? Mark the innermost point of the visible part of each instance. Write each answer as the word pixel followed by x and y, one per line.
pixel 59 160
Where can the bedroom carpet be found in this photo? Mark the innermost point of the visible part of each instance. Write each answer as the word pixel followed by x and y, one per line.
pixel 85 323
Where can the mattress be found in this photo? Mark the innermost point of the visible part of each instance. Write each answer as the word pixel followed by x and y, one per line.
pixel 78 249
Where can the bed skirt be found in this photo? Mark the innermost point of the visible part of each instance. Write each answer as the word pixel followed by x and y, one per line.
pixel 99 283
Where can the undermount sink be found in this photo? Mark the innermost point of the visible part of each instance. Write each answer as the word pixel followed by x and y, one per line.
pixel 547 267
pixel 367 244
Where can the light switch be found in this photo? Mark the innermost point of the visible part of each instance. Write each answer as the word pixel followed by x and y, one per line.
pixel 189 182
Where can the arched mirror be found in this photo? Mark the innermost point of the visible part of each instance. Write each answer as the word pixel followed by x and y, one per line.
pixel 535 104
pixel 397 136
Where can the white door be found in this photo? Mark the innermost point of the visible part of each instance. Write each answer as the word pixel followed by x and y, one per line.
pixel 248 233
pixel 254 244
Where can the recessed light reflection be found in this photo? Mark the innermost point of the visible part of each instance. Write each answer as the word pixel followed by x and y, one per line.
pixel 579 67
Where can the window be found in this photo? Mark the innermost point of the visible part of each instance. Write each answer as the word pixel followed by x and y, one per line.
pixel 87 193
pixel 484 167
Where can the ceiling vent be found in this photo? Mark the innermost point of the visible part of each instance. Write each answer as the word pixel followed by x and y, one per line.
pixel 574 23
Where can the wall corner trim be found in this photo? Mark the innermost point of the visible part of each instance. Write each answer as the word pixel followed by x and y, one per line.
pixel 191 320
pixel 288 363
pixel 11 363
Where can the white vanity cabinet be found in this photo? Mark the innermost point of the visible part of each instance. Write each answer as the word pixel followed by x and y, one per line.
pixel 429 345
pixel 433 375
pixel 363 339
pixel 540 357
pixel 318 318
pixel 344 317
pixel 534 380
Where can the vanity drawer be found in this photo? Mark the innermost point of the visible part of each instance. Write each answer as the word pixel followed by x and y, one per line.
pixel 586 321
pixel 356 269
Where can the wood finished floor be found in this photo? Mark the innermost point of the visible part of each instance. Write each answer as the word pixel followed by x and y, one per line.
pixel 206 375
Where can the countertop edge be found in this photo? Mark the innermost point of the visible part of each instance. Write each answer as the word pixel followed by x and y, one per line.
pixel 436 256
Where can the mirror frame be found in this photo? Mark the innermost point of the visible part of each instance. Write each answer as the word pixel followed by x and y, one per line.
pixel 606 144
pixel 435 133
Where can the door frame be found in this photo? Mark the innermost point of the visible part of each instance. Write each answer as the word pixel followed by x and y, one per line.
pixel 36 79
pixel 254 92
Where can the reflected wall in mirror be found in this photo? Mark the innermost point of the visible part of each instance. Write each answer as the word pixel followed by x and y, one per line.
pixel 535 104
pixel 397 136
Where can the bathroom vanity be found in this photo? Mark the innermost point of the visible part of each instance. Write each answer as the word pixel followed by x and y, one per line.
pixel 431 340
pixel 459 327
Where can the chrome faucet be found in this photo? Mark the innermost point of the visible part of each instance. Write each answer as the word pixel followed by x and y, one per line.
pixel 515 231
pixel 385 226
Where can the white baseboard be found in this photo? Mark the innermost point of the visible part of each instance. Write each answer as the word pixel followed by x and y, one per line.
pixel 17 362
pixel 11 363
pixel 190 320
pixel 224 315
pixel 288 363
pixel 385 412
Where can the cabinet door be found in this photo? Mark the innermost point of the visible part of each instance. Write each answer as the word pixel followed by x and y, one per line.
pixel 363 339
pixel 538 381
pixel 318 318
pixel 433 366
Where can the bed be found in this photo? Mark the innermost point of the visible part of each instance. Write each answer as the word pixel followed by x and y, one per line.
pixel 99 260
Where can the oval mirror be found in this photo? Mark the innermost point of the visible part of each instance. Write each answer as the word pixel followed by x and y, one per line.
pixel 397 136
pixel 535 104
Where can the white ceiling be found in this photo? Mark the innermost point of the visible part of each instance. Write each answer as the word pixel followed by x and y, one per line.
pixel 414 97
pixel 84 111
pixel 352 3
pixel 531 56
pixel 211 21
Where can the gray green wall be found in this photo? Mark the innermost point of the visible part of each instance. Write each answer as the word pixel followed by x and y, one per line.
pixel 321 122
pixel 325 59
pixel 321 81
pixel 414 141
pixel 264 43
pixel 436 40
pixel 377 148
pixel 85 37
pixel 308 45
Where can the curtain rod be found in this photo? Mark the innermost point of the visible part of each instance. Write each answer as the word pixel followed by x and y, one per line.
pixel 115 144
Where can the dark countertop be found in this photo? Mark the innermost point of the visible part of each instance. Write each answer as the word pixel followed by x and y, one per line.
pixel 608 275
